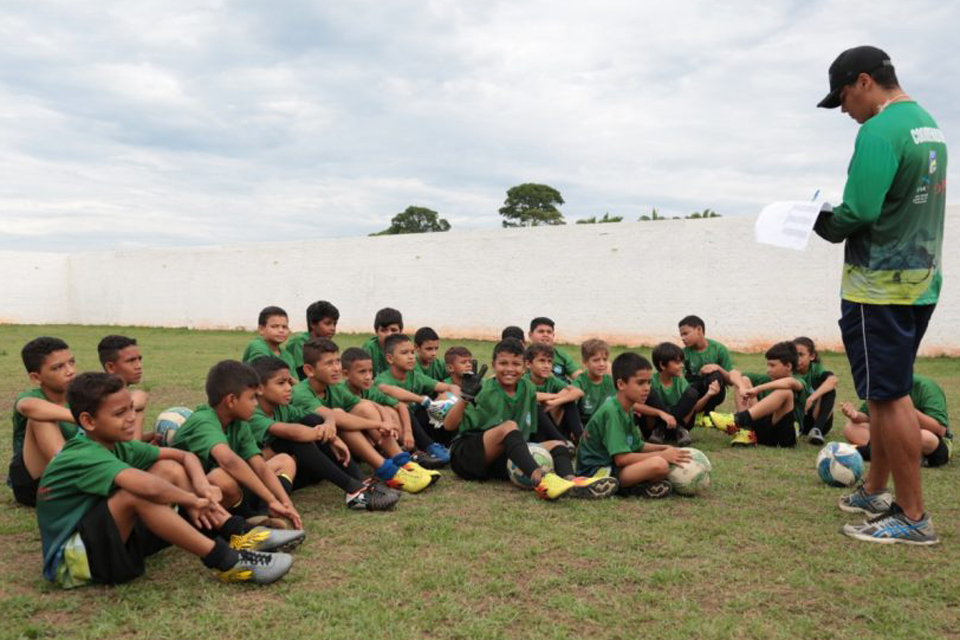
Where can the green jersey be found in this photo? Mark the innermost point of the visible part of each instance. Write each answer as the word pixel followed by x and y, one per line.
pixel 928 398
pixel 258 348
pixel 375 395
pixel 668 396
pixel 893 210
pixel 436 369
pixel 76 479
pixel 594 393
pixel 799 397
pixel 563 365
pixel 553 384
pixel 815 375
pixel 493 406
pixel 294 349
pixel 202 432
pixel 610 432
pixel 336 396
pixel 67 429
pixel 414 382
pixel 693 360
pixel 372 346
pixel 260 423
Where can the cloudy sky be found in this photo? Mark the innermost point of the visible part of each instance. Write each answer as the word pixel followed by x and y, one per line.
pixel 126 124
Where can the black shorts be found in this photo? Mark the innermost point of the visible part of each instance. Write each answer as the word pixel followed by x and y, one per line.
pixel 939 456
pixel 24 487
pixel 111 560
pixel 783 433
pixel 881 342
pixel 468 460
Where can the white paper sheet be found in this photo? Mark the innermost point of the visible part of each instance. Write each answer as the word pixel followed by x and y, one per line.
pixel 787 224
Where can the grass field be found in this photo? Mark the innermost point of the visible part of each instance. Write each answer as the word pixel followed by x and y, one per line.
pixel 759 556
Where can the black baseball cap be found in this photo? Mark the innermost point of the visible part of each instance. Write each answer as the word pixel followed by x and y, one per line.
pixel 847 68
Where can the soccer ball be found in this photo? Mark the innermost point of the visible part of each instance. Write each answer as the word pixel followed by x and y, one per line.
pixel 440 407
pixel 840 464
pixel 692 477
pixel 543 458
pixel 168 422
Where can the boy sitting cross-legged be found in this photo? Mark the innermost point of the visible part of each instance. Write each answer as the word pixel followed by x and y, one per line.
pixel 612 443
pixel 596 383
pixel 322 319
pixel 387 322
pixel 41 421
pixel 104 500
pixel 557 398
pixel 359 423
pixel 311 439
pixel 273 325
pixel 427 344
pixel 496 418
pixel 121 356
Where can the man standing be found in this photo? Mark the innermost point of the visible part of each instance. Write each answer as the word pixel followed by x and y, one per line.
pixel 892 221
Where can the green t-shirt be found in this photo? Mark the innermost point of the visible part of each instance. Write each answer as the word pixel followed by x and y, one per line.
pixel 594 393
pixel 414 382
pixel 553 384
pixel 294 349
pixel 67 429
pixel 928 398
pixel 372 346
pixel 73 483
pixel 799 397
pixel 202 432
pixel 493 406
pixel 815 375
pixel 893 210
pixel 258 348
pixel 563 365
pixel 375 395
pixel 693 360
pixel 669 396
pixel 336 396
pixel 610 432
pixel 260 422
pixel 437 369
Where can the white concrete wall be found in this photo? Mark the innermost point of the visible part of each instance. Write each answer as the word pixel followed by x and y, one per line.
pixel 627 282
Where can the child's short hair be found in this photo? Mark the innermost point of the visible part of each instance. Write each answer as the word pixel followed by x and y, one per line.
pixel 351 355
pixel 450 355
pixel 692 321
pixel 514 332
pixel 592 347
pixel 386 317
pixel 785 352
pixel 35 352
pixel 229 377
pixel 314 348
pixel 267 366
pixel 804 341
pixel 320 310
pixel 666 352
pixel 626 365
pixel 87 391
pixel 393 340
pixel 510 345
pixel 109 348
pixel 535 350
pixel 424 334
pixel 269 312
pixel 536 322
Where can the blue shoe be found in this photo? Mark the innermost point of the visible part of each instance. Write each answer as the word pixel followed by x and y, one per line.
pixel 871 504
pixel 439 452
pixel 893 527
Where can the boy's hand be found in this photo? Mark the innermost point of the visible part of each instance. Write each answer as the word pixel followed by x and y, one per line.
pixel 713 389
pixel 340 450
pixel 325 432
pixel 407 442
pixel 669 419
pixel 808 405
pixel 676 456
pixel 279 510
pixel 750 393
pixel 852 414
pixel 472 382
pixel 388 431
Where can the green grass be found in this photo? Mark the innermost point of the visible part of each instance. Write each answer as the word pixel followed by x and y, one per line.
pixel 759 556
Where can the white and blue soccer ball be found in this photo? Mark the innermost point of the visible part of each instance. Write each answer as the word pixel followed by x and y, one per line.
pixel 439 408
pixel 840 464
pixel 168 422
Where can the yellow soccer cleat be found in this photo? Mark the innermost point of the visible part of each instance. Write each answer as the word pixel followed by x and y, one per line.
pixel 552 486
pixel 257 567
pixel 432 474
pixel 703 421
pixel 264 539
pixel 409 480
pixel 724 422
pixel 744 438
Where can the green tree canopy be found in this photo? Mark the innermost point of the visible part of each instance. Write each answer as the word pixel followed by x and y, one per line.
pixel 531 205
pixel 606 218
pixel 706 213
pixel 415 220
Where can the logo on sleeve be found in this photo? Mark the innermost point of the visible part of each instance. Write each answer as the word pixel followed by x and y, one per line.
pixel 933 162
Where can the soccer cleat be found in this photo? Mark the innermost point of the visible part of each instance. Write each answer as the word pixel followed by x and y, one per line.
pixel 653 489
pixel 552 486
pixel 892 527
pixel 657 436
pixel 683 437
pixel 264 539
pixel 429 473
pixel 373 498
pixel 814 436
pixel 257 567
pixel 703 420
pixel 426 460
pixel 592 488
pixel 871 504
pixel 744 438
pixel 724 422
pixel 409 480
pixel 440 452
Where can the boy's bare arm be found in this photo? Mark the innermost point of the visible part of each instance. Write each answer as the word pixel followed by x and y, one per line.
pixel 156 489
pixel 789 382
pixel 452 388
pixel 195 473
pixel 295 432
pixel 43 410
pixel 930 424
pixel 241 471
pixel 825 387
pixel 353 422
pixel 568 395
pixel 451 421
pixel 48 437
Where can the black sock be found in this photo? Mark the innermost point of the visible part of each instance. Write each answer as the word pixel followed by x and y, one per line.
pixel 286 484
pixel 221 557
pixel 234 526
pixel 743 419
pixel 517 450
pixel 562 464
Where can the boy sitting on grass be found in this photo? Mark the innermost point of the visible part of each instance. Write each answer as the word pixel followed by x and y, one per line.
pixel 279 427
pixel 121 356
pixel 42 422
pixel 705 361
pixel 542 332
pixel 612 443
pixel 273 327
pixel 427 344
pixel 387 322
pixel 359 423
pixel 219 434
pixel 596 383
pixel 496 418
pixel 930 403
pixel 104 500
pixel 766 404
pixel 557 399
pixel 322 319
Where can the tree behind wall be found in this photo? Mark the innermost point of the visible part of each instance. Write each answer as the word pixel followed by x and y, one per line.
pixel 531 205
pixel 606 218
pixel 415 220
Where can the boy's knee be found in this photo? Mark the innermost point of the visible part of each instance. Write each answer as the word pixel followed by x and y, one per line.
pixel 661 467
pixel 283 463
pixel 509 425
pixel 170 470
